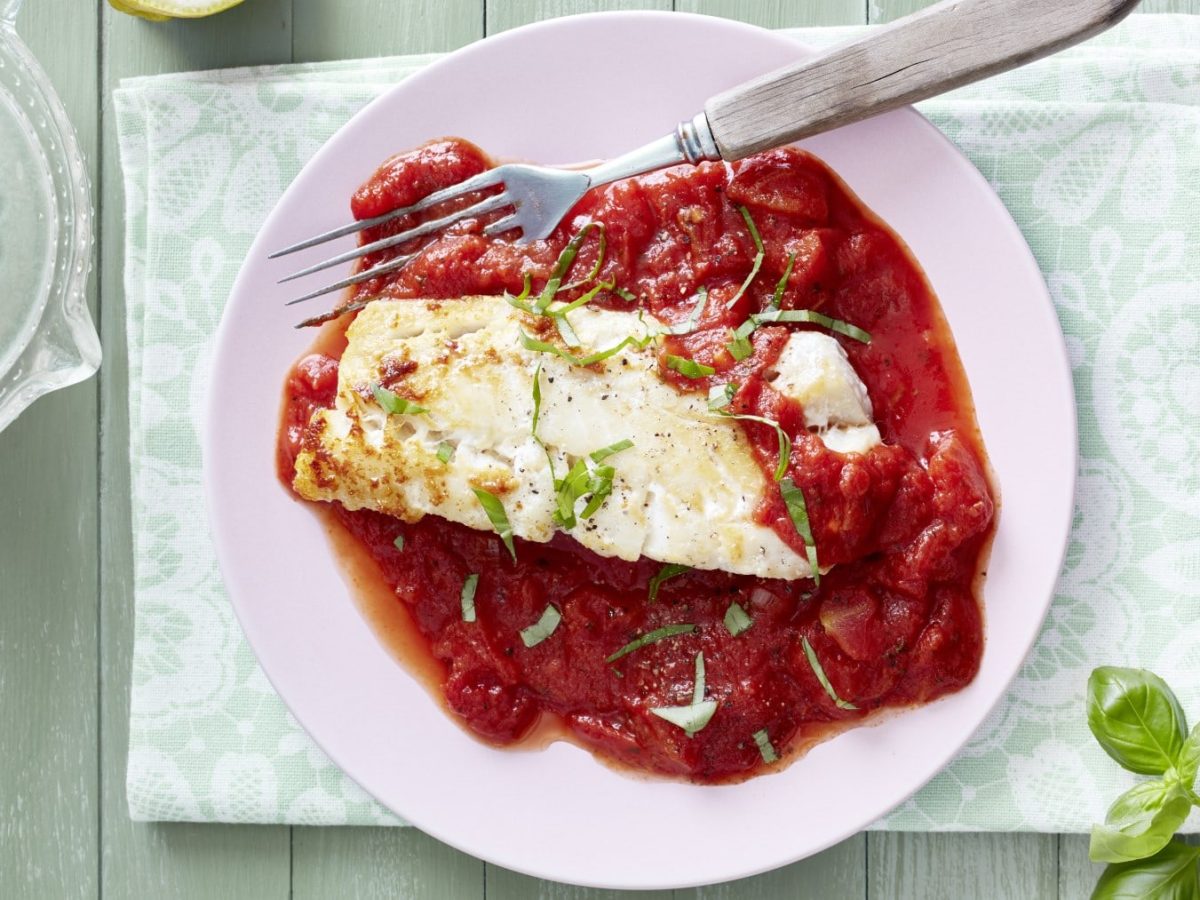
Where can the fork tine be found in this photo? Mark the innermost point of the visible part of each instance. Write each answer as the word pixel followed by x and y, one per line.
pixel 483 206
pixel 390 266
pixel 475 183
pixel 508 223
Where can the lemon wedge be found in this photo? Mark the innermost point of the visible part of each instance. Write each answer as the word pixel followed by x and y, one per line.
pixel 161 10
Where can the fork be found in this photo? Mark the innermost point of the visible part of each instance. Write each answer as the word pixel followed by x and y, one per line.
pixel 942 47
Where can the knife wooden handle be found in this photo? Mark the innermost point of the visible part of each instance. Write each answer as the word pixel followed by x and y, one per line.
pixel 940 48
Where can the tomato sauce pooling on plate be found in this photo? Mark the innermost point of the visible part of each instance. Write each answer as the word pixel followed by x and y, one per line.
pixel 905 526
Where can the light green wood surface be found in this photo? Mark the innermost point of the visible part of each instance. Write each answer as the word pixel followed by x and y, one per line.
pixel 66 566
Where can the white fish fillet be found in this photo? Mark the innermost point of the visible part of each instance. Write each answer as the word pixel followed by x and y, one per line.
pixel 685 493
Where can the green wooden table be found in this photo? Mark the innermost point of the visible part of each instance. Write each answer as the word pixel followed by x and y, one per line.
pixel 66 607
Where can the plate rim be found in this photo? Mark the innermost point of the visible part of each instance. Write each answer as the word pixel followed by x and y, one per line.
pixel 1018 244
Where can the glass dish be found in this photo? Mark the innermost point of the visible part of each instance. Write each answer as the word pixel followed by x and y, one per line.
pixel 47 339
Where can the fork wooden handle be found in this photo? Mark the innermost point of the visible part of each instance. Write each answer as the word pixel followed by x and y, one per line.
pixel 943 47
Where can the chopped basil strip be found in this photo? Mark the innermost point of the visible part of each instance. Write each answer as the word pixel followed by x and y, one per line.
pixel 689 368
pixel 575 484
pixel 599 256
pixel 565 260
pixel 533 426
pixel 694 717
pixel 814 318
pixel 559 314
pixel 651 637
pixel 526 287
pixel 395 405
pixel 688 325
pixel 781 285
pixel 666 572
pixel 398 543
pixel 445 451
pixel 537 398
pixel 584 480
pixel 690 718
pixel 566 332
pixel 739 348
pixel 519 301
pixel 737 620
pixel 720 396
pixel 793 498
pixel 468 597
pixel 497 516
pixel 627 296
pixel 785 442
pixel 758 257
pixel 531 343
pixel 819 671
pixel 764 747
pixel 542 628
pixel 599 456
pixel 583 300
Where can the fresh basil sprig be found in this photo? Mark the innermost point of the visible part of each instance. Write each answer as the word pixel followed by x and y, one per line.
pixel 1136 718
pixel 1138 721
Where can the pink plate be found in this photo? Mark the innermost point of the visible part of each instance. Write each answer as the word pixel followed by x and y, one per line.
pixel 580 88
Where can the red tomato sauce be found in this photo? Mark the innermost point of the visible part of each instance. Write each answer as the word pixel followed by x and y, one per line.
pixel 906 526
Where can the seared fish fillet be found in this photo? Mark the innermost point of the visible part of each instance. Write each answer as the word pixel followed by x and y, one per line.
pixel 684 493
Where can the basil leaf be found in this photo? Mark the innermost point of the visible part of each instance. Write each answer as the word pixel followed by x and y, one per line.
pixel 737 620
pixel 398 543
pixel 600 487
pixel 758 257
pixel 566 259
pixel 797 508
pixel 542 628
pixel 819 671
pixel 519 301
pixel 604 453
pixel 497 516
pixel 600 355
pixel 1136 718
pixel 565 331
pixel 627 296
pixel 651 637
pixel 1140 823
pixel 1171 874
pixel 691 718
pixel 666 572
pixel 781 285
pixel 573 486
pixel 785 442
pixel 582 481
pixel 720 396
pixel 699 713
pixel 467 598
pixel 445 452
pixel 811 317
pixel 599 256
pixel 537 399
pixel 689 368
pixel 533 344
pixel 395 405
pixel 741 347
pixel 1188 764
pixel 765 748
pixel 688 325
pixel 585 299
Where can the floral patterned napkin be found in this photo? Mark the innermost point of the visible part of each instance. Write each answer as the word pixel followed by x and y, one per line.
pixel 1097 154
